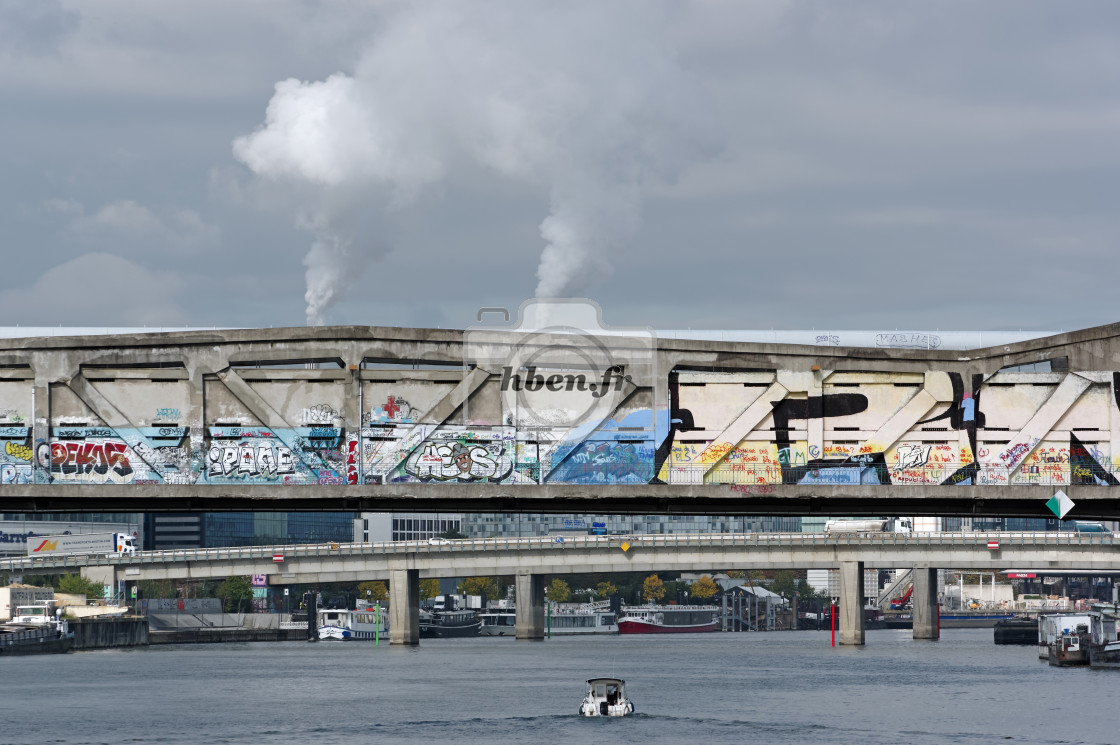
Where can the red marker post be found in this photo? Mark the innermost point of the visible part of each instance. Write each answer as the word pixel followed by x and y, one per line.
pixel 832 622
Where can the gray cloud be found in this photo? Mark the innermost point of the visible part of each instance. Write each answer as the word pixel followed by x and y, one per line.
pixel 883 164
pixel 115 291
pixel 35 28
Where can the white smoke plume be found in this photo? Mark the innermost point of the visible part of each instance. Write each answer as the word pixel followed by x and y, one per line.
pixel 585 100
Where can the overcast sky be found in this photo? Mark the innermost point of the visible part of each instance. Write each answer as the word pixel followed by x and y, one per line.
pixel 856 165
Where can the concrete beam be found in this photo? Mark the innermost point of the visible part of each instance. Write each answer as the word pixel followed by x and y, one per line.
pixel 404 605
pixel 1093 502
pixel 924 602
pixel 851 603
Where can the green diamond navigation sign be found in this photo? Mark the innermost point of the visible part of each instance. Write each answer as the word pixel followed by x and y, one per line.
pixel 1060 504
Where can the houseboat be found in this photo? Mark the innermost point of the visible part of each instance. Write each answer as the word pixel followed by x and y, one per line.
pixel 582 618
pixel 498 622
pixel 364 623
pixel 441 624
pixel 662 619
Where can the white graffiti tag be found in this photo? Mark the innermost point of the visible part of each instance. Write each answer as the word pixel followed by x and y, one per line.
pixel 246 460
pixel 912 456
pixel 444 462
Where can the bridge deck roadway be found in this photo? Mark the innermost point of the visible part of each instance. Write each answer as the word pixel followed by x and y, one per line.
pixel 1092 502
pixel 647 553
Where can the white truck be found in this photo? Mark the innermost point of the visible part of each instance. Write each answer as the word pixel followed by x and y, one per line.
pixel 883 525
pixel 82 544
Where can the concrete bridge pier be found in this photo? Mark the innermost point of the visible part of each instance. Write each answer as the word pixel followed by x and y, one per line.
pixel 404 605
pixel 106 575
pixel 530 607
pixel 924 602
pixel 851 603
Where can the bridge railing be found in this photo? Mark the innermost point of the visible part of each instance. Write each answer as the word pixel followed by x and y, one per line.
pixel 280 554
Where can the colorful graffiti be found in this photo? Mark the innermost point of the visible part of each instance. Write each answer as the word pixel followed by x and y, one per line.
pixel 751 429
pixel 458 461
pixel 1020 428
pixel 88 460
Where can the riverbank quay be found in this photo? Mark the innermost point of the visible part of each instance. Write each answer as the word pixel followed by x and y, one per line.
pixel 219 635
pixel 109 633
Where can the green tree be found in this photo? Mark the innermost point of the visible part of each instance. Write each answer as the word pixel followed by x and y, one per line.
pixel 653 589
pixel 156 588
pixel 451 534
pixel 76 584
pixel 785 583
pixel 486 587
pixel 558 591
pixel 236 594
pixel 375 592
pixel 429 588
pixel 605 589
pixel 583 596
pixel 704 588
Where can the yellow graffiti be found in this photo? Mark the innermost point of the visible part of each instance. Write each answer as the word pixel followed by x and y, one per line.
pixel 18 451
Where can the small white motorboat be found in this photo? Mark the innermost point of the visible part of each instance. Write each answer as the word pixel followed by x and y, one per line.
pixel 606 697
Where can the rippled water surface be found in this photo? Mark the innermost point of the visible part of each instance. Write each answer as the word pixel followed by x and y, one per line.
pixel 782 687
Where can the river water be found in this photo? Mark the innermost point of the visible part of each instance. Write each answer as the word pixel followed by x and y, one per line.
pixel 779 687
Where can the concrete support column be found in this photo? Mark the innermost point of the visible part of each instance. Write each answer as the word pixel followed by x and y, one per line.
pixel 106 575
pixel 530 606
pixel 851 603
pixel 924 602
pixel 41 431
pixel 404 606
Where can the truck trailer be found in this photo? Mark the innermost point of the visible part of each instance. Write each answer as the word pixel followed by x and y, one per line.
pixel 82 544
pixel 882 525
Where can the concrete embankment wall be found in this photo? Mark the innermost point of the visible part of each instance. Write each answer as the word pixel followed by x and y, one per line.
pixel 106 633
pixel 209 635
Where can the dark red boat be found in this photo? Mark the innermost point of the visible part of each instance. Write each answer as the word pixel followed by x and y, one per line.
pixel 657 619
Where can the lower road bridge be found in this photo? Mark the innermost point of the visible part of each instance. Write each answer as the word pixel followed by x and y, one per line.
pixel 531 560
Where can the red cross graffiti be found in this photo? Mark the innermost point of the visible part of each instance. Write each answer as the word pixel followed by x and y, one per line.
pixel 390 408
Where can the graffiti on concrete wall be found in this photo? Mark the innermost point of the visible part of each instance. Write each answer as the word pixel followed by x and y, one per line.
pixel 16 455
pixel 298 455
pixel 461 461
pixel 756 428
pixel 1020 428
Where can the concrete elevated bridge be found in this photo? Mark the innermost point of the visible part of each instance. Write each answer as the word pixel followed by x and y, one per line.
pixel 531 560
pixel 520 419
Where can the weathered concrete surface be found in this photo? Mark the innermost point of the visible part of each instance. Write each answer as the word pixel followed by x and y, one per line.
pixel 529 605
pixel 212 377
pixel 404 611
pixel 924 603
pixel 852 619
pixel 107 633
pixel 106 574
pixel 1093 502
pixel 214 636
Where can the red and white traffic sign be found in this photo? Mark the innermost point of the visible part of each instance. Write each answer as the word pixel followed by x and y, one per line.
pixel 278 557
pixel 993 545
